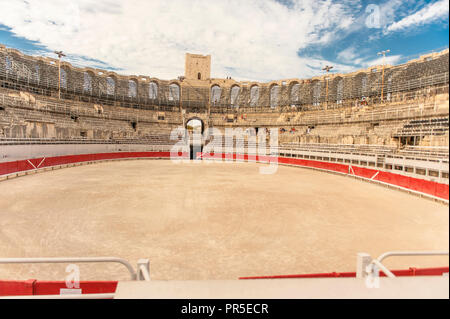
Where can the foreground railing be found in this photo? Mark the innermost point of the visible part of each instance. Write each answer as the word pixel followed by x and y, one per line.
pixel 366 266
pixel 142 272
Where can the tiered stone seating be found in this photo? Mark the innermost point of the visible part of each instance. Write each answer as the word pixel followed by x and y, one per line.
pixel 433 126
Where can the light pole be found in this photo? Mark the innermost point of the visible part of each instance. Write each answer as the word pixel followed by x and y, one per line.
pixel 59 54
pixel 383 53
pixel 181 79
pixel 327 68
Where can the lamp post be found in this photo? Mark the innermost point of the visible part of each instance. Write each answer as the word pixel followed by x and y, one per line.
pixel 327 68
pixel 181 79
pixel 383 53
pixel 59 54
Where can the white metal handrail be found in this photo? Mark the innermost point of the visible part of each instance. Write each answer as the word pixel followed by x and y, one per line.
pixel 372 267
pixel 71 260
pixel 412 253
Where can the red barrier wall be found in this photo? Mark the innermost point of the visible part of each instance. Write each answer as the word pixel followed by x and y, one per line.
pixel 412 183
pixel 16 288
pixel 25 165
pixel 34 287
pixel 439 271
pixel 420 185
pixel 87 287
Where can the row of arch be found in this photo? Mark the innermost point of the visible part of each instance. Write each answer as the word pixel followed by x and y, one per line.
pixel 87 87
pixel 294 92
pixel 216 90
pixel 153 87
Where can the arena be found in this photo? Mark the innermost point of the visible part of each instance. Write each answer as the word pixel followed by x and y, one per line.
pixel 361 165
pixel 200 221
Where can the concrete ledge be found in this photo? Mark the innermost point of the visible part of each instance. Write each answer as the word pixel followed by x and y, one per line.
pixel 435 287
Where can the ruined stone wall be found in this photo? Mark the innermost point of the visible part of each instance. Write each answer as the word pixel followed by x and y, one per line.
pixel 103 105
pixel 40 75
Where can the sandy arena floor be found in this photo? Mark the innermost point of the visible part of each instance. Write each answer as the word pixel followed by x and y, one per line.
pixel 210 221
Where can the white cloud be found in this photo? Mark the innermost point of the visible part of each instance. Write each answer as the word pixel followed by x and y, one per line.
pixel 432 12
pixel 392 60
pixel 361 59
pixel 248 39
pixel 349 55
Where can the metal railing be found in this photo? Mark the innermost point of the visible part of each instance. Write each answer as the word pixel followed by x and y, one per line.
pixel 371 267
pixel 65 260
pixel 141 274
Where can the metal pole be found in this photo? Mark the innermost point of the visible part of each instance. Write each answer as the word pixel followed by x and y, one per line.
pixel 382 73
pixel 59 54
pixel 327 68
pixel 59 78
pixel 181 104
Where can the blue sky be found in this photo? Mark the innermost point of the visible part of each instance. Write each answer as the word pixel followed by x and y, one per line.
pixel 258 40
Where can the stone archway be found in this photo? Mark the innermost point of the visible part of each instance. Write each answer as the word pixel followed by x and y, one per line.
pixel 195 126
pixel 195 122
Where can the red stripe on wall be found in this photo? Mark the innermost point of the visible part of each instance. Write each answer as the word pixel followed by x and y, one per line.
pixel 16 288
pixel 438 271
pixel 87 287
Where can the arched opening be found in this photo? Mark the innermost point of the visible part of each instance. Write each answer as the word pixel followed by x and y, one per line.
pixel 364 86
pixel 110 86
pixel 8 64
pixel 274 96
pixel 216 91
pixel 36 74
pixel 195 125
pixel 195 128
pixel 87 84
pixel 254 95
pixel 174 92
pixel 153 91
pixel 199 76
pixel 295 94
pixel 316 93
pixel 234 95
pixel 132 89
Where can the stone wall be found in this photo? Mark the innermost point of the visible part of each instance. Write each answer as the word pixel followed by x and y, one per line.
pixel 91 107
pixel 40 75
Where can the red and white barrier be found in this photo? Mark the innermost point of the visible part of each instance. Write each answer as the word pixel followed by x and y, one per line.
pixel 411 183
pixel 422 186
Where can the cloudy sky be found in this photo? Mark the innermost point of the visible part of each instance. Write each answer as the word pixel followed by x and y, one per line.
pixel 248 39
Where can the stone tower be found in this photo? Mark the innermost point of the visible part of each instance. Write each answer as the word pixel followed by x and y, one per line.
pixel 198 67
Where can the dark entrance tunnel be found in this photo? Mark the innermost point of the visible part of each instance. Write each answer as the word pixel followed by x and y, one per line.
pixel 194 150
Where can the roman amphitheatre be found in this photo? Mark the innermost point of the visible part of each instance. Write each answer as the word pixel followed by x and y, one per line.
pixel 87 169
